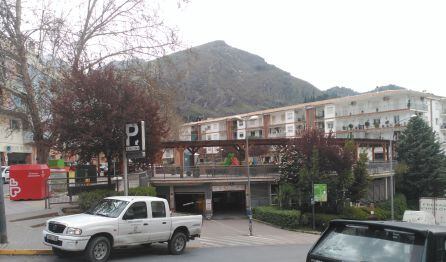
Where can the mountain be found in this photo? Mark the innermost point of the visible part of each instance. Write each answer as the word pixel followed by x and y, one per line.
pixel 385 88
pixel 216 79
pixel 337 91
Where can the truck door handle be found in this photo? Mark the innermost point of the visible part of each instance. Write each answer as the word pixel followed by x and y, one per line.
pixel 145 224
pixel 164 223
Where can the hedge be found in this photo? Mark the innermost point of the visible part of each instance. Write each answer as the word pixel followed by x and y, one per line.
pixel 320 220
pixel 88 199
pixel 283 218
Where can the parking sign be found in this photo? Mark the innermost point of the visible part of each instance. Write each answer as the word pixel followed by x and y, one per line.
pixel 136 137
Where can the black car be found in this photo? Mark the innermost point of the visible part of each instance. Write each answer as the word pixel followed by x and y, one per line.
pixel 383 241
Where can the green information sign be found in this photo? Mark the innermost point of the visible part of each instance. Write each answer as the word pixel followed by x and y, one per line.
pixel 320 192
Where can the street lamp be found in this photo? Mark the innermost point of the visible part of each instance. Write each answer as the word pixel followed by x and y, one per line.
pixel 248 189
pixel 392 191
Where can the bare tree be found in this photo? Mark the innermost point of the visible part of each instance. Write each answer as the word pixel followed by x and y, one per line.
pixel 56 41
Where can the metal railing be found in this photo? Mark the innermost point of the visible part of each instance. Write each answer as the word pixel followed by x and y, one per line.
pixel 64 190
pixel 380 167
pixel 214 171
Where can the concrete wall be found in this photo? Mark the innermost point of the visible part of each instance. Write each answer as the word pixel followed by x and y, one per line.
pixel 260 194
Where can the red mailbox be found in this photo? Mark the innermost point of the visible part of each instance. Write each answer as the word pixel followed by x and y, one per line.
pixel 28 182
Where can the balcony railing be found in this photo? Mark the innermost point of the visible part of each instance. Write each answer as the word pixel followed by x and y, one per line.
pixel 214 171
pixel 220 171
pixel 380 167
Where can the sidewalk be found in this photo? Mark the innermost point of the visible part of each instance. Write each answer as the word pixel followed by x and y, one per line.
pixel 25 221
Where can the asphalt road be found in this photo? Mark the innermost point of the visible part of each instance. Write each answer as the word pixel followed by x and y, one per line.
pixel 158 253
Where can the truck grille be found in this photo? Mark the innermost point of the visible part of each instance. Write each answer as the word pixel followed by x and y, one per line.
pixel 55 227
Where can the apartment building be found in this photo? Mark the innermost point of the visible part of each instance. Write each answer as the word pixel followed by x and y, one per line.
pixel 16 141
pixel 375 115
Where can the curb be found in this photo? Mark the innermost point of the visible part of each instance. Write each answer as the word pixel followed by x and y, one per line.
pixel 25 252
pixel 289 229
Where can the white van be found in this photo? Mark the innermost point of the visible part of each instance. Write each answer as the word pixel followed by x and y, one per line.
pixel 419 217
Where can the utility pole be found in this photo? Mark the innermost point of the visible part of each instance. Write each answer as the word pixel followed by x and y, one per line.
pixel 126 179
pixel 392 191
pixel 249 181
pixel 3 233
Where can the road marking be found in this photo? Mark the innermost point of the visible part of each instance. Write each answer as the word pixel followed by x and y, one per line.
pixel 243 240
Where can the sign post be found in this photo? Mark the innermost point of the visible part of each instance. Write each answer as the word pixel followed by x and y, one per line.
pixel 135 147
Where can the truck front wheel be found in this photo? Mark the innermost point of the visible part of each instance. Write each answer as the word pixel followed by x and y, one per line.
pixel 177 243
pixel 98 249
pixel 59 253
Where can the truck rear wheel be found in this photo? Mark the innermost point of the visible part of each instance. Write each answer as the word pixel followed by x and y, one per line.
pixel 98 249
pixel 177 243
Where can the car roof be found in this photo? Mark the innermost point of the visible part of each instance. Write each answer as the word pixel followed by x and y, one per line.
pixel 134 198
pixel 397 225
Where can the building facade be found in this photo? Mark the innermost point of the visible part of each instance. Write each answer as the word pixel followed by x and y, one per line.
pixel 375 115
pixel 16 139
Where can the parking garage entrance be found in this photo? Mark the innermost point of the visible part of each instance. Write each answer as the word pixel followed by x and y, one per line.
pixel 191 203
pixel 228 200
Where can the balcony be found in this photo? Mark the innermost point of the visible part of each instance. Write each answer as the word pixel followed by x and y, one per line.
pixel 28 137
pixel 380 168
pixel 213 173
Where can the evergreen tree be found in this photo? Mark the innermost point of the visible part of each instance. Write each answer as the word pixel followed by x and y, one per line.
pixel 361 180
pixel 419 150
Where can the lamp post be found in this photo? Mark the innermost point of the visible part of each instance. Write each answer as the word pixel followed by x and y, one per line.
pixel 392 187
pixel 248 188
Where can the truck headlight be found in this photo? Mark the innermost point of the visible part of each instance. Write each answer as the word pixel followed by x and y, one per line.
pixel 74 231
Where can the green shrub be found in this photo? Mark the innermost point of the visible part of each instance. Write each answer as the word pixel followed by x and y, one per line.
pixel 400 205
pixel 320 220
pixel 142 191
pixel 283 218
pixel 91 198
pixel 355 213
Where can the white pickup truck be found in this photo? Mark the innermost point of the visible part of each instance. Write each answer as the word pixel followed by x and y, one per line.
pixel 117 222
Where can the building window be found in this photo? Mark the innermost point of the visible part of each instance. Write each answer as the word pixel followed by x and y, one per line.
pixel 240 123
pixel 14 124
pixel 241 135
pixel 376 122
pixel 289 115
pixel 396 119
pixel 330 125
pixel 253 133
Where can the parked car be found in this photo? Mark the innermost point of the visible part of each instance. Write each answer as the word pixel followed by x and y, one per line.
pixel 347 240
pixel 5 174
pixel 118 222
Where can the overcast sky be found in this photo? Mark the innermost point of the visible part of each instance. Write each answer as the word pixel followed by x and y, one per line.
pixel 352 43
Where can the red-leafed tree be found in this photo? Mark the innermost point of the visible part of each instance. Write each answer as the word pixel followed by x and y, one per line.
pixel 90 111
pixel 319 158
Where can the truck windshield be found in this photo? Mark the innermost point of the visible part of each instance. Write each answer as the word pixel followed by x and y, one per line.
pixel 363 243
pixel 108 208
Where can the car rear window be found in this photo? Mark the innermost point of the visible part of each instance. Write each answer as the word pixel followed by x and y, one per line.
pixel 368 243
